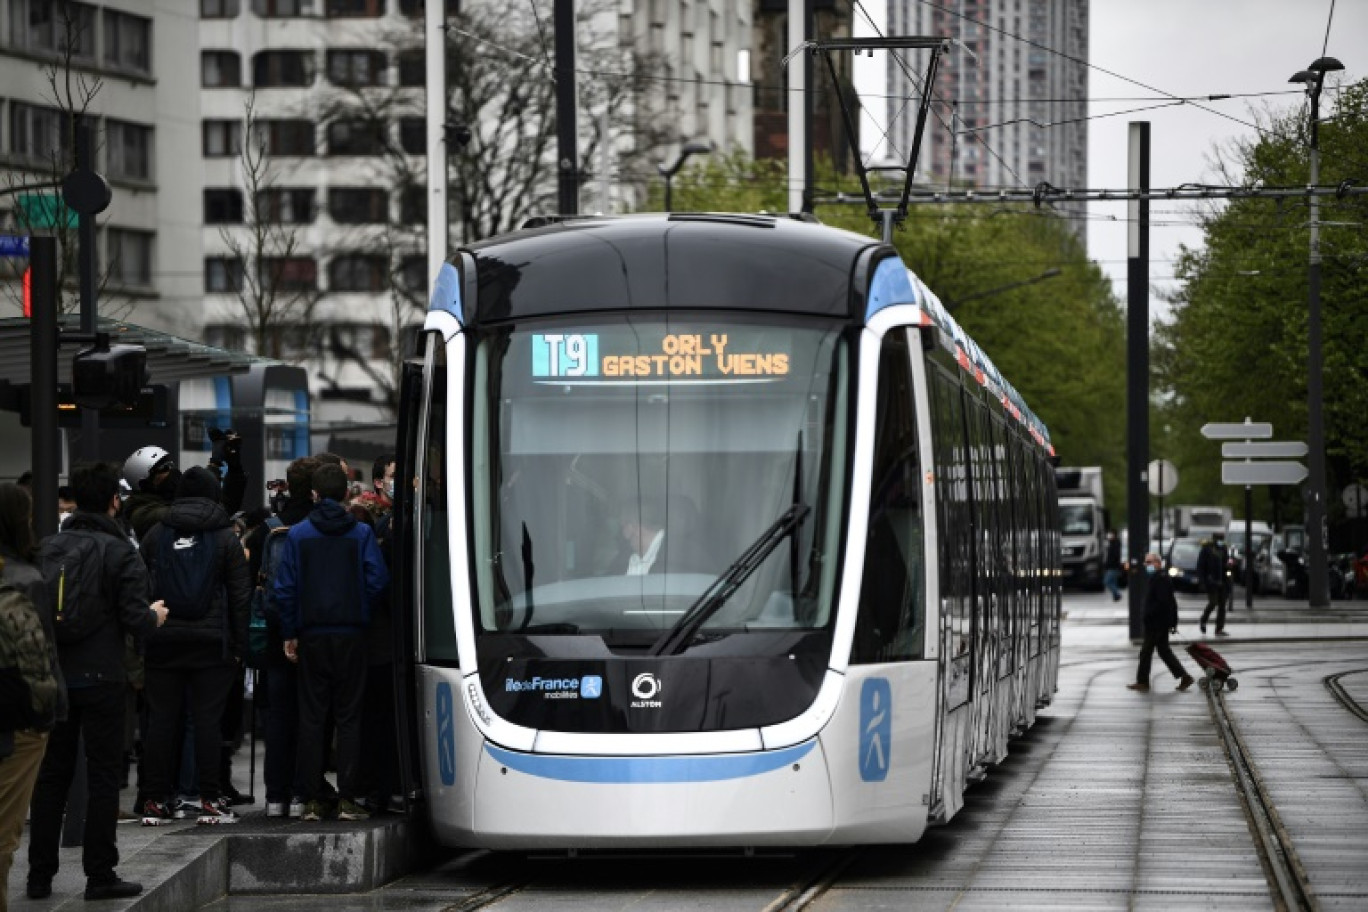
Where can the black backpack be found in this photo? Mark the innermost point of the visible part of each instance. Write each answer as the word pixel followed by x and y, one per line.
pixel 264 615
pixel 185 572
pixel 72 565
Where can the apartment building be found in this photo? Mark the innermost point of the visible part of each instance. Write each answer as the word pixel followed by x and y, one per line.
pixel 332 222
pixel 123 62
pixel 1010 107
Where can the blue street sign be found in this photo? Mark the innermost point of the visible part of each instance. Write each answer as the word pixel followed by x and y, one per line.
pixel 14 245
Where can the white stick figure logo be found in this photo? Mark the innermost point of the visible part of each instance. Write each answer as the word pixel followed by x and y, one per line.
pixel 876 729
pixel 874 751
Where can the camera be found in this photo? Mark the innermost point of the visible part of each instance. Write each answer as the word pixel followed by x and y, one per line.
pixel 279 494
pixel 226 446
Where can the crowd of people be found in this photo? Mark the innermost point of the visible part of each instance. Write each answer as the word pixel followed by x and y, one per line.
pixel 138 629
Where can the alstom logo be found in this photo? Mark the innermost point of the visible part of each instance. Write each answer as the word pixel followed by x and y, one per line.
pixel 646 687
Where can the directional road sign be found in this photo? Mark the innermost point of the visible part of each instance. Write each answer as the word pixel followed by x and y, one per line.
pixel 1263 473
pixel 14 245
pixel 1246 430
pixel 1274 449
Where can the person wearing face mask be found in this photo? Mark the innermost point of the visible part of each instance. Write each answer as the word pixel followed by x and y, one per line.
pixel 379 500
pixel 1161 618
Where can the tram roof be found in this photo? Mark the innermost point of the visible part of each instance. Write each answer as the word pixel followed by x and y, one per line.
pixel 701 261
pixel 693 261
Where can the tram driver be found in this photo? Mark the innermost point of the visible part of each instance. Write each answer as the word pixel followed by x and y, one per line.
pixel 643 528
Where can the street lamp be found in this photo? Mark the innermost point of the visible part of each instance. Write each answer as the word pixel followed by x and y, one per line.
pixel 1047 274
pixel 689 148
pixel 1318 584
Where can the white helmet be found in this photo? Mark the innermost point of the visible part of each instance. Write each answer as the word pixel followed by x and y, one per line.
pixel 140 466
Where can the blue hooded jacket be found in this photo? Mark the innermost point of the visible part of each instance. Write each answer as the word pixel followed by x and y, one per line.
pixel 331 573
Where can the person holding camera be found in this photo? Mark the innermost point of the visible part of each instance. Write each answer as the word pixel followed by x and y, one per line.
pixel 152 475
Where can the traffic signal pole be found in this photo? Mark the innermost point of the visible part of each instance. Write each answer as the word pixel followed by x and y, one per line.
pixel 43 383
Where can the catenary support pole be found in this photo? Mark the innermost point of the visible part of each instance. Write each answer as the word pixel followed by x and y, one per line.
pixel 567 145
pixel 1317 570
pixel 1137 375
pixel 434 35
pixel 87 267
pixel 796 104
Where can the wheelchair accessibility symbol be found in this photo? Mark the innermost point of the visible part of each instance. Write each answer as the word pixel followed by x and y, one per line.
pixel 876 729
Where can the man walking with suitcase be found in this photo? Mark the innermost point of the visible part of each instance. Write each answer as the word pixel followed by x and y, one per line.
pixel 1161 617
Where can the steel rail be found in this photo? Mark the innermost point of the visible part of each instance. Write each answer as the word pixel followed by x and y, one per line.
pixel 1332 684
pixel 487 897
pixel 1290 887
pixel 807 890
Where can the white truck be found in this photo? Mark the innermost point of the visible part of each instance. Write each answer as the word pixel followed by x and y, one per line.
pixel 1083 523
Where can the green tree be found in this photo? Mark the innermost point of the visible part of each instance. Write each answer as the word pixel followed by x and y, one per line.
pixel 1060 341
pixel 1236 345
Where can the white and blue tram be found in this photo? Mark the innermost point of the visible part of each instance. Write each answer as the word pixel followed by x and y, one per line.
pixel 722 533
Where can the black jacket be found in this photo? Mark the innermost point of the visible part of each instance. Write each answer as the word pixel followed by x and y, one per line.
pixel 99 657
pixel 222 631
pixel 143 510
pixel 1161 607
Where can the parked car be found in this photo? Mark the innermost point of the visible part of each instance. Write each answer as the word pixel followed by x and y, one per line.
pixel 1181 563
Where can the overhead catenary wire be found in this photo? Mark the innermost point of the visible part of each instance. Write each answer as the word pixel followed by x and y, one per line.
pixel 1079 60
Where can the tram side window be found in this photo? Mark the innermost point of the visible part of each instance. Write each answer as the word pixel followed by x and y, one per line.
pixel 438 620
pixel 956 521
pixel 892 620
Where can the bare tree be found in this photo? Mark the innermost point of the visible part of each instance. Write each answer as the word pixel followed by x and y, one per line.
pixel 270 281
pixel 501 144
pixel 72 93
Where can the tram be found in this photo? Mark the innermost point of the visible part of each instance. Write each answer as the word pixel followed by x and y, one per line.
pixel 722 533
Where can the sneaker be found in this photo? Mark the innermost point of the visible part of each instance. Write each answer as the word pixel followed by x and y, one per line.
pixel 186 807
pixel 1222 633
pixel 157 813
pixel 216 812
pixel 314 810
pixel 276 808
pixel 1185 682
pixel 111 889
pixel 1141 688
pixel 1202 627
pixel 350 810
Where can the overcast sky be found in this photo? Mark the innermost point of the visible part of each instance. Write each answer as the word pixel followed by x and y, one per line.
pixel 1191 48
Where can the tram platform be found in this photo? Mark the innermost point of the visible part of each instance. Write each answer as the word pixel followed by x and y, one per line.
pixel 184 866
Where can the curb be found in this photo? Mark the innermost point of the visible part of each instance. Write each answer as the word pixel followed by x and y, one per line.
pixel 325 858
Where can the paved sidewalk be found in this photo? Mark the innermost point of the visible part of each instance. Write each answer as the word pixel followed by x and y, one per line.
pixel 1094 619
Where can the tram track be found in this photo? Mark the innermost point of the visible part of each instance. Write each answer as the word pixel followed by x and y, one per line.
pixel 1337 690
pixel 808 889
pixel 1287 878
pixel 487 897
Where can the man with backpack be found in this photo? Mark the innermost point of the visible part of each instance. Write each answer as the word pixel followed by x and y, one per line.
pixel 199 570
pixel 97 588
pixel 264 546
pixel 331 575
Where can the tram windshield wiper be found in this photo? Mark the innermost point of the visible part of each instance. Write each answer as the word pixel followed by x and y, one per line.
pixel 725 586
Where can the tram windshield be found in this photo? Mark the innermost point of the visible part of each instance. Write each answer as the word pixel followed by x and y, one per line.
pixel 630 469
